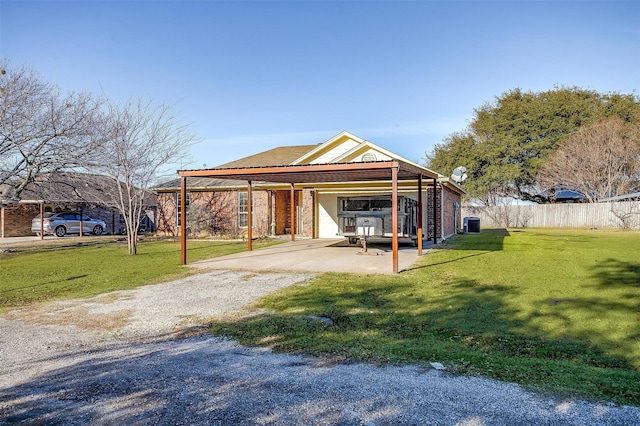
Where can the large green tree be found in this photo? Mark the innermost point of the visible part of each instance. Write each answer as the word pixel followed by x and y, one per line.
pixel 508 140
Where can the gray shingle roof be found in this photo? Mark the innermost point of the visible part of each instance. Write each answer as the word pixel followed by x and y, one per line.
pixel 280 156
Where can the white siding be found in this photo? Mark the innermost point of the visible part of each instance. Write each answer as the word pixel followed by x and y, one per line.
pixel 379 156
pixel 336 152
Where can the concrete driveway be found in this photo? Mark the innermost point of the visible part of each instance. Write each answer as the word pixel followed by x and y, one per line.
pixel 317 255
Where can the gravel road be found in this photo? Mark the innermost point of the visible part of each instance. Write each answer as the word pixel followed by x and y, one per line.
pixel 140 357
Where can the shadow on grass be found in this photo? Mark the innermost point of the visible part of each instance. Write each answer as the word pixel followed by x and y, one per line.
pixel 44 284
pixel 616 273
pixel 470 328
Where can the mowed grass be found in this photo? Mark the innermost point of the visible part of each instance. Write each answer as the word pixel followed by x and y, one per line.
pixel 94 267
pixel 557 310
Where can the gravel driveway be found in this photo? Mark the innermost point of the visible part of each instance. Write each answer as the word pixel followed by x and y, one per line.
pixel 140 357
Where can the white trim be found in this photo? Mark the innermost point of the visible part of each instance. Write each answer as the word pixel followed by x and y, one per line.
pixel 324 144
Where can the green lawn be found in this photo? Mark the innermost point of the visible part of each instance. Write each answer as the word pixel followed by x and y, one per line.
pixel 557 310
pixel 95 266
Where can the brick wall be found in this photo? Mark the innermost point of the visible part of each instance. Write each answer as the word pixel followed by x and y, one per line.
pixel 16 220
pixel 450 216
pixel 270 208
pixel 308 212
pixel 282 212
pixel 223 220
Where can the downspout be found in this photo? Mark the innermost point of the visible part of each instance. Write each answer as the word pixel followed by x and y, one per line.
pixel 394 217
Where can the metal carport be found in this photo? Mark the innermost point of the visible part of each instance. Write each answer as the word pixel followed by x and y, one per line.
pixel 393 171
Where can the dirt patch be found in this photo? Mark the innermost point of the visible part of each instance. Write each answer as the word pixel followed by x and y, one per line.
pixel 78 316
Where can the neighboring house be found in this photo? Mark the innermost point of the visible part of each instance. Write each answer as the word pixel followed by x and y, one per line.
pixel 322 209
pixel 64 191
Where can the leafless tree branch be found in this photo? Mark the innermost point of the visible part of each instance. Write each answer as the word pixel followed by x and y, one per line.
pixel 600 160
pixel 42 130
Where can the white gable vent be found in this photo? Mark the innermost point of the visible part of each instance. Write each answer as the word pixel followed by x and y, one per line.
pixel 369 156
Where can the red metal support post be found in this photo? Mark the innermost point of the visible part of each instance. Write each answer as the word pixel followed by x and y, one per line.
pixel 394 217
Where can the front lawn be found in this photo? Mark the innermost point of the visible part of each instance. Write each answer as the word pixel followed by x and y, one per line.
pixel 95 266
pixel 551 309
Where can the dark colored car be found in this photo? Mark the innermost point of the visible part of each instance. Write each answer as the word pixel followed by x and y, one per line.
pixel 60 224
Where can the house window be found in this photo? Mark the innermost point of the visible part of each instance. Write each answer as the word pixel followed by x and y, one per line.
pixel 243 209
pixel 178 212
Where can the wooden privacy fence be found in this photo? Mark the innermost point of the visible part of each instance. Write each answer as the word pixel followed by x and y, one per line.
pixel 622 215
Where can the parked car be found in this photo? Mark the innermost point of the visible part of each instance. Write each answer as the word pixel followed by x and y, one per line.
pixel 60 224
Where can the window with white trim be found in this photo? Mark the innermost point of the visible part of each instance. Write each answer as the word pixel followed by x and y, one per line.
pixel 178 212
pixel 243 208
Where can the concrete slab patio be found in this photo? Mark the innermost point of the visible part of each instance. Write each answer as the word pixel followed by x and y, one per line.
pixel 317 255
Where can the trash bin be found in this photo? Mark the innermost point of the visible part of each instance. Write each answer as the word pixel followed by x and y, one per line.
pixel 472 225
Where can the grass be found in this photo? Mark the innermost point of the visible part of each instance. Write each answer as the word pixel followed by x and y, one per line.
pixel 95 266
pixel 555 310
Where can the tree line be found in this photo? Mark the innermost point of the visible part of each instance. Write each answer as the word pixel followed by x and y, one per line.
pixel 528 145
pixel 44 130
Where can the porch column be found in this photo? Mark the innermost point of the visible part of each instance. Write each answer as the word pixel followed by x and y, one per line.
pixel 394 217
pixel 435 212
pixel 183 219
pixel 41 220
pixel 81 224
pixel 293 212
pixel 249 221
pixel 419 215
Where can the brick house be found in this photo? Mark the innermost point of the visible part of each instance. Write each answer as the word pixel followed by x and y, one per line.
pixel 318 210
pixel 64 191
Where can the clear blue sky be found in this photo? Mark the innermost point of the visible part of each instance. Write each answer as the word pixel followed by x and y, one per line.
pixel 250 76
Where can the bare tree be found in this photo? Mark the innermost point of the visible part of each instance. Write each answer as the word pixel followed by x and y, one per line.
pixel 599 160
pixel 139 141
pixel 41 129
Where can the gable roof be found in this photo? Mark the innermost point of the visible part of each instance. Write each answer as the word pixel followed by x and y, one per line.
pixel 342 148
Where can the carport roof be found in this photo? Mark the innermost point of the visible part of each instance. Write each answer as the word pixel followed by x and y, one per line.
pixel 318 173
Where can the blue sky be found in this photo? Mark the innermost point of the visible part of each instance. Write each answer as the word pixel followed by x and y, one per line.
pixel 253 75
